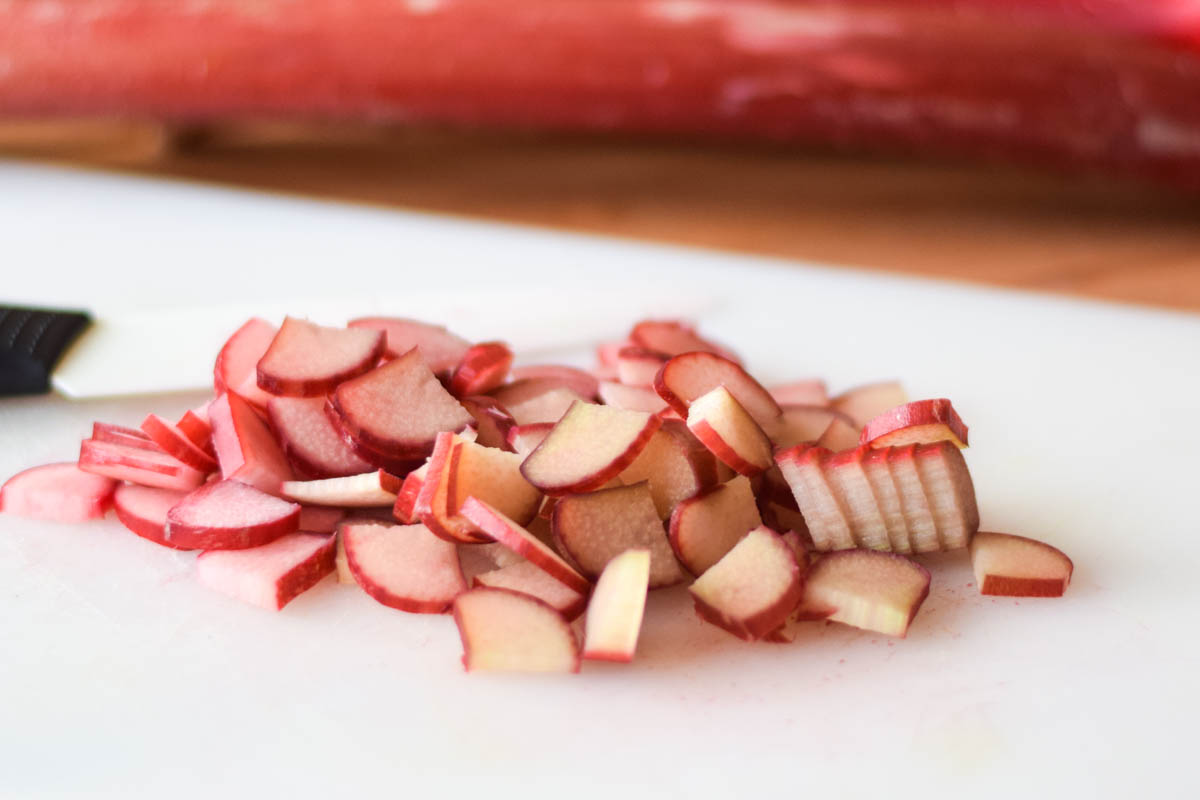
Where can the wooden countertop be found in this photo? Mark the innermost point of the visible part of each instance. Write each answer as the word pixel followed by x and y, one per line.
pixel 991 224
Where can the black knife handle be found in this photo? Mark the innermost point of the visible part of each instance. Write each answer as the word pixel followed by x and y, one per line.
pixel 31 342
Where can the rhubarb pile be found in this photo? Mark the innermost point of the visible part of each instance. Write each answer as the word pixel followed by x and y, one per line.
pixel 439 478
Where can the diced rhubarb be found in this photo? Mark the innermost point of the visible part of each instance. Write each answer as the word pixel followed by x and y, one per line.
pixel 914 502
pixel 440 349
pixel 246 448
pixel 1019 567
pixel 951 493
pixel 353 491
pixel 528 578
pixel 722 425
pixel 631 398
pixel 676 466
pixel 863 403
pixel 236 368
pixel 588 447
pixel 919 422
pixel 313 446
pixel 615 611
pixel 270 576
pixel 637 366
pixel 118 434
pixel 483 368
pixel 847 478
pixel 533 400
pixel 706 527
pixel 751 591
pixel 524 439
pixel 229 515
pixel 397 409
pixel 581 382
pixel 137 465
pixel 196 427
pixel 57 492
pixel 521 541
pixel 867 589
pixel 672 338
pixel 826 519
pixel 174 441
pixel 309 360
pixel 691 375
pixel 143 510
pixel 876 468
pixel 507 631
pixel 406 498
pixel 404 566
pixel 595 528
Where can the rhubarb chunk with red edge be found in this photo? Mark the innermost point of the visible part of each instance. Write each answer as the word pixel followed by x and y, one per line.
pixel 57 492
pixel 691 375
pixel 174 441
pixel 706 527
pixel 672 338
pixel 144 509
pixel 675 465
pixel 516 538
pixel 588 447
pixel 577 380
pixel 353 491
pixel 483 367
pixel 614 618
pixel 246 448
pixel 863 403
pixel 236 367
pixel 751 591
pixel 528 578
pixel 866 589
pixel 270 576
pixel 137 465
pixel 596 527
pixel 309 360
pixel 506 631
pixel 403 566
pixel 397 409
pixel 1016 566
pixel 440 349
pixel 919 422
pixel 311 443
pixel 722 425
pixel 229 515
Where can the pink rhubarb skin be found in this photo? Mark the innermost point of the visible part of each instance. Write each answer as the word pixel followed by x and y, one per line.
pixel 1103 83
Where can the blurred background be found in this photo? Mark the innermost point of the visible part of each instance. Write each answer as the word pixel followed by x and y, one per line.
pixel 1045 144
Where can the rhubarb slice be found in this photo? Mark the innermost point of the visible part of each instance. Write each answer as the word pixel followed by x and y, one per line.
pixel 919 422
pixel 847 478
pixel 311 443
pixel 404 566
pixel 228 515
pixel 706 527
pixel 803 469
pixel 686 377
pixel 528 578
pixel 521 541
pixel 137 465
pixel 397 409
pixel 914 502
pixel 638 366
pixel 353 491
pixel 143 510
pixel 1016 566
pixel 483 367
pixel 57 492
pixel 722 425
pixel 535 400
pixel 867 589
pixel 236 368
pixel 752 589
pixel 951 493
pixel 577 380
pixel 631 398
pixel 507 631
pixel 863 403
pixel 676 466
pixel 270 576
pixel 672 338
pixel 595 528
pixel 246 448
pixel 174 441
pixel 440 349
pixel 614 618
pixel 588 447
pixel 308 360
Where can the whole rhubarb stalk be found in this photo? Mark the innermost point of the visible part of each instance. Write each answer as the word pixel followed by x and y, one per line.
pixel 1109 84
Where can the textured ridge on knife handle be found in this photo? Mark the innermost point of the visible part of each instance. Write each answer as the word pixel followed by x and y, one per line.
pixel 31 342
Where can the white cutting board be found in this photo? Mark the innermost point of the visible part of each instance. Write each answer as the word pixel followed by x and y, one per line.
pixel 120 676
